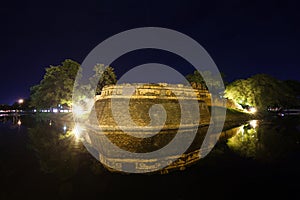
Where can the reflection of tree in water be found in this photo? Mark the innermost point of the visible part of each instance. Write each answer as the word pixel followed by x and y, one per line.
pixel 271 141
pixel 53 150
pixel 61 155
pixel 244 142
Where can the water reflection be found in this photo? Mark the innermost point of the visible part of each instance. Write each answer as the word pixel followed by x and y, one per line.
pixel 266 141
pixel 60 152
pixel 13 121
pixel 77 130
pixel 245 140
pixel 65 128
pixel 59 149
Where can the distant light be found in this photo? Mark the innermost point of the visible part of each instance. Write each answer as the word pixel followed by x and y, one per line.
pixel 253 123
pixel 19 122
pixel 21 101
pixel 252 110
pixel 65 128
pixel 50 123
pixel 55 110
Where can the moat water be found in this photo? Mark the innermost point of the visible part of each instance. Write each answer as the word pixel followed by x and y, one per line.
pixel 41 160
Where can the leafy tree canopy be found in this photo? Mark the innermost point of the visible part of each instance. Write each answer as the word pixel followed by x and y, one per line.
pixel 58 83
pixel 106 74
pixel 211 81
pixel 261 91
pixel 56 86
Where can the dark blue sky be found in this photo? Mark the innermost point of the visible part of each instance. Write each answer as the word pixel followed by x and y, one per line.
pixel 243 37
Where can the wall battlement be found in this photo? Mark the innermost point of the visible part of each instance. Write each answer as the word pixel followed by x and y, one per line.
pixel 160 90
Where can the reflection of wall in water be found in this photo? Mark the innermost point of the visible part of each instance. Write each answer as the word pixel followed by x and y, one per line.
pixel 140 102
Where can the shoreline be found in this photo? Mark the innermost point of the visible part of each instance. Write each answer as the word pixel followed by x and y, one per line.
pixel 233 118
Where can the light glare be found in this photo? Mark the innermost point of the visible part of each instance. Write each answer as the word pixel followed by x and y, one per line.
pixel 252 110
pixel 253 123
pixel 77 131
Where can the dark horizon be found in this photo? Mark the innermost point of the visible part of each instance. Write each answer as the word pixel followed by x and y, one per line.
pixel 243 38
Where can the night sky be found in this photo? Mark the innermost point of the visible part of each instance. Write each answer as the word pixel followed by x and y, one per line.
pixel 243 37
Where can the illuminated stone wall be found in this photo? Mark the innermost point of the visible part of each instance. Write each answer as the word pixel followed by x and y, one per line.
pixel 140 101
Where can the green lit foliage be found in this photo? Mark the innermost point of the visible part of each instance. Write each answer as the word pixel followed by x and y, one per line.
pixel 58 83
pixel 56 86
pixel 244 142
pixel 260 91
pixel 266 142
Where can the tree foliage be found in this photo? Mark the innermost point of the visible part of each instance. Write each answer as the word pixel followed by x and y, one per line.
pixel 294 87
pixel 58 83
pixel 260 91
pixel 5 107
pixel 106 74
pixel 195 78
pixel 210 81
pixel 56 86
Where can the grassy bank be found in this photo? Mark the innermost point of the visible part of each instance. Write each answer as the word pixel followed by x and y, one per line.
pixel 235 118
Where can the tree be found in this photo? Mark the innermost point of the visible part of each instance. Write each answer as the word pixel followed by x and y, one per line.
pixel 58 83
pixel 5 107
pixel 107 77
pixel 294 87
pixel 261 91
pixel 56 86
pixel 244 142
pixel 21 106
pixel 210 81
pixel 195 78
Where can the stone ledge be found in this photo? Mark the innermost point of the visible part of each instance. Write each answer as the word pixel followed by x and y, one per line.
pixel 147 90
